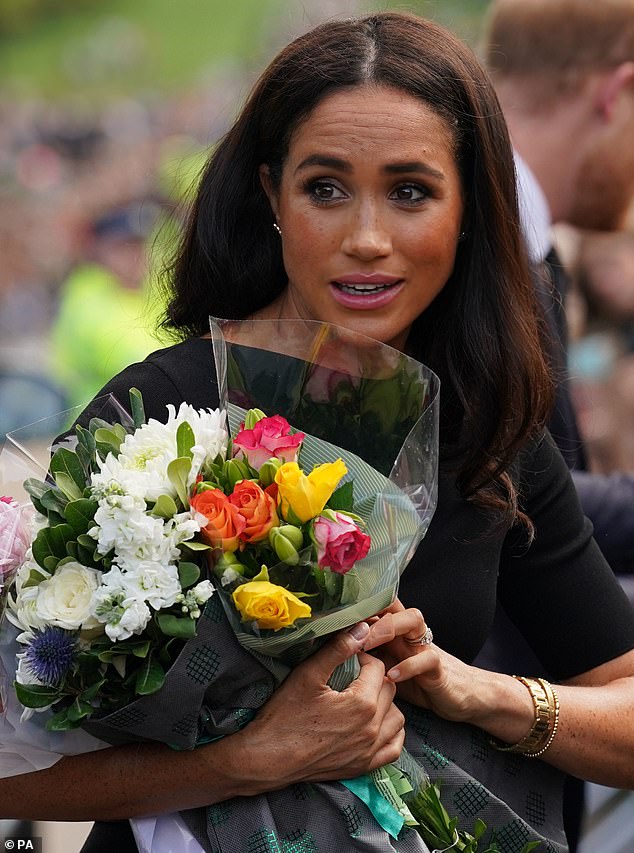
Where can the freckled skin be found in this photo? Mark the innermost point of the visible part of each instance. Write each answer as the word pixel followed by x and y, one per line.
pixel 391 204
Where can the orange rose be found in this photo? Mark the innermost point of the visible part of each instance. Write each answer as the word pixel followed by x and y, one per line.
pixel 224 522
pixel 257 507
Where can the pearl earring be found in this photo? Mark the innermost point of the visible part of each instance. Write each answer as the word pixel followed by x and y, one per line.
pixel 277 228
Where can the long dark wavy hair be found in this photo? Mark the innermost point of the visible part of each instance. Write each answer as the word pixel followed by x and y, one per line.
pixel 481 333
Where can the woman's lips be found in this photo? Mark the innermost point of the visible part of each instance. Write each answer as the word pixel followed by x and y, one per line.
pixel 365 291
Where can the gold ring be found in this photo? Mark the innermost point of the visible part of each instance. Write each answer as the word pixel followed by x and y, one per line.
pixel 425 639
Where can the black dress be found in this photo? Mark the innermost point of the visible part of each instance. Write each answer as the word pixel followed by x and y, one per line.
pixel 552 589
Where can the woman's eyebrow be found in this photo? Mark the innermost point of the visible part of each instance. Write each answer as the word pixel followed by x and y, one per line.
pixel 413 166
pixel 325 160
pixel 390 168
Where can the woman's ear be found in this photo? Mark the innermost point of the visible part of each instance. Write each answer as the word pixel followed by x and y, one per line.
pixel 267 186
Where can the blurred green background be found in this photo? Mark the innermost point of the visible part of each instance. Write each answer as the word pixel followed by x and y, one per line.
pixel 102 48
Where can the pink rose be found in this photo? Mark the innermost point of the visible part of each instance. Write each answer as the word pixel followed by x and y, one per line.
pixel 14 538
pixel 270 438
pixel 340 543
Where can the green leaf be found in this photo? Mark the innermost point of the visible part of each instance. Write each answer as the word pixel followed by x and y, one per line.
pixel 98 423
pixel 51 541
pixel 149 678
pixel 86 440
pixel 36 488
pixel 188 574
pixel 68 486
pixel 80 514
pixel 54 500
pixel 108 440
pixel 35 577
pixel 86 541
pixel 64 461
pixel 176 626
pixel 50 563
pixel 90 692
pixel 193 545
pixel 86 447
pixel 79 709
pixel 343 497
pixel 120 431
pixel 88 557
pixel 141 650
pixel 36 695
pixel 479 828
pixel 137 409
pixel 61 722
pixel 178 472
pixel 165 507
pixel 185 440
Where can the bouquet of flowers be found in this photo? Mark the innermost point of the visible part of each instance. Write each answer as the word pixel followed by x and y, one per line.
pixel 202 557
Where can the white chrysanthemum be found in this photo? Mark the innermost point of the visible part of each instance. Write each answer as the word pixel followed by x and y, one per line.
pixel 141 467
pixel 115 479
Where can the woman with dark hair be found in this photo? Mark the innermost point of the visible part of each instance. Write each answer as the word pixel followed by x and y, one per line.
pixel 368 182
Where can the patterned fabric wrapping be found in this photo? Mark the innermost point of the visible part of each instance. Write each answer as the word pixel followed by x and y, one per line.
pixel 219 686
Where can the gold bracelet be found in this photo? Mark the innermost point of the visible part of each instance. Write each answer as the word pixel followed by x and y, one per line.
pixel 545 725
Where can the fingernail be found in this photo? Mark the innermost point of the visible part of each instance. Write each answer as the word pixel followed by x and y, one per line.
pixel 394 674
pixel 360 631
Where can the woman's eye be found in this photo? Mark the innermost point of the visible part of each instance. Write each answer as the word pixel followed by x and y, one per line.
pixel 411 193
pixel 325 191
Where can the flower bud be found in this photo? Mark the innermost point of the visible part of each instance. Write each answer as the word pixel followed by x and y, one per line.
pixel 234 471
pixel 252 417
pixel 268 471
pixel 228 560
pixel 286 541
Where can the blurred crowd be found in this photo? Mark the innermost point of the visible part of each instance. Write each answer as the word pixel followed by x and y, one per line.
pixel 90 202
pixel 600 312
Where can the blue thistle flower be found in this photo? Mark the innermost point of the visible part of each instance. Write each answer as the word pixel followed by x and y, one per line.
pixel 51 654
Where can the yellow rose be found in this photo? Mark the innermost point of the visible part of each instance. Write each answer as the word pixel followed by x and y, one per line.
pixel 269 605
pixel 303 496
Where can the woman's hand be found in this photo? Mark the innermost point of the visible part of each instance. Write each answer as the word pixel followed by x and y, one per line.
pixel 309 732
pixel 426 675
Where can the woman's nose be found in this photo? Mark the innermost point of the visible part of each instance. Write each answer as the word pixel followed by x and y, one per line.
pixel 367 238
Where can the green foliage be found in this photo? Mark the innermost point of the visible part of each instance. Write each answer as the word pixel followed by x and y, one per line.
pixel 439 831
pixel 105 674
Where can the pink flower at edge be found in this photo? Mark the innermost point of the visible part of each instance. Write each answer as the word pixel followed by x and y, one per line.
pixel 270 438
pixel 340 543
pixel 14 538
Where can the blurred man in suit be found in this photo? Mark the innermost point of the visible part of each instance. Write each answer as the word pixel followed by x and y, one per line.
pixel 564 74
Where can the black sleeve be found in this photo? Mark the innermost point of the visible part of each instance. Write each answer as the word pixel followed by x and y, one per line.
pixel 560 591
pixel 180 373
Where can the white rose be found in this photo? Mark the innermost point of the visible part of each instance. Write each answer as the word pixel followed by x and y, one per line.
pixel 65 599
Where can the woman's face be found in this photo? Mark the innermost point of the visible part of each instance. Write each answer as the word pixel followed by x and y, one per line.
pixel 370 208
